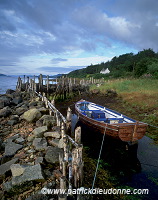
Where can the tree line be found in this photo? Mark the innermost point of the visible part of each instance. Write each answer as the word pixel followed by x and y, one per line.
pixel 142 64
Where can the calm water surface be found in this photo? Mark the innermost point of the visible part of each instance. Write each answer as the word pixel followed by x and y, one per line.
pixel 7 82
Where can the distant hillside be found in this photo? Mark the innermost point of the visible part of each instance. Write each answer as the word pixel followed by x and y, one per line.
pixel 145 63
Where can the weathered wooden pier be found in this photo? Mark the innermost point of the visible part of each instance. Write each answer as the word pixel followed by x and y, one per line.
pixel 62 87
pixel 70 160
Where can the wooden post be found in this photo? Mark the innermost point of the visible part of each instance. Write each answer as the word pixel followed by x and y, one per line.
pixel 61 158
pixel 62 129
pixel 62 182
pixel 58 119
pixel 46 102
pixel 62 197
pixel 65 149
pixel 24 78
pixel 62 187
pixel 40 82
pixel 53 102
pixel 20 84
pixel 64 167
pixel 69 114
pixel 47 83
pixel 78 135
pixel 35 86
pixel 70 176
pixel 68 117
pixel 77 166
pixel 43 96
pixel 50 112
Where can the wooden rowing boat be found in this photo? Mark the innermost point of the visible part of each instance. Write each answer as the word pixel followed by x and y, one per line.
pixel 110 122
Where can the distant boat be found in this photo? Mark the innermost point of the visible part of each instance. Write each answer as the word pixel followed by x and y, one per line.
pixel 109 122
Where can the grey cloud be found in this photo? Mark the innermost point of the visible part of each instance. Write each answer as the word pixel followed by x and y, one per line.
pixel 121 25
pixel 42 26
pixel 58 60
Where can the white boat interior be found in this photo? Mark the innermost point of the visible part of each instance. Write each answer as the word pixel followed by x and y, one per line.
pixel 101 113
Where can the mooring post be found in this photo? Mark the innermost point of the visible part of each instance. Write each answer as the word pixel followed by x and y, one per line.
pixel 58 119
pixel 35 86
pixel 64 168
pixel 43 96
pixel 53 102
pixel 40 82
pixel 65 149
pixel 68 118
pixel 50 112
pixel 61 158
pixel 62 129
pixel 69 114
pixel 62 197
pixel 20 84
pixel 47 83
pixel 78 135
pixel 77 166
pixel 62 182
pixel 46 102
pixel 62 187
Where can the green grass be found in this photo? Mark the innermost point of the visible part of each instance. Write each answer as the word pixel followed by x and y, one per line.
pixel 133 85
pixel 140 99
pixel 141 92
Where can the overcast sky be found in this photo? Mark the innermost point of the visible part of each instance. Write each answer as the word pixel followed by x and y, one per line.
pixel 58 36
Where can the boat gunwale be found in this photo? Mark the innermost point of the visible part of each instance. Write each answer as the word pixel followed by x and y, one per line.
pixel 135 122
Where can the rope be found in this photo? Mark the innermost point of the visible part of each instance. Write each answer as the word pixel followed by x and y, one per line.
pixel 148 165
pixel 98 160
pixel 152 126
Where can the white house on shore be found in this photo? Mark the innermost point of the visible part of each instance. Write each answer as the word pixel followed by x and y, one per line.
pixel 105 71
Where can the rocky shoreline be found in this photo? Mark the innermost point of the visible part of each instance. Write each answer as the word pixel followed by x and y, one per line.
pixel 30 143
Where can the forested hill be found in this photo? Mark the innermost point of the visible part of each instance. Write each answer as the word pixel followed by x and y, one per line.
pixel 145 63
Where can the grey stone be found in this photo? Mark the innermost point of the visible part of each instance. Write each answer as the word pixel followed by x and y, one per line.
pixel 38 196
pixel 11 148
pixel 20 140
pixel 52 154
pixel 54 142
pixel 6 100
pixel 31 173
pixel 21 110
pixel 14 117
pixel 17 169
pixel 30 138
pixel 43 110
pixel 33 104
pixel 45 120
pixel 54 134
pixel 31 151
pixel 61 143
pixel 6 166
pixel 40 144
pixel 17 100
pixel 10 91
pixel 6 111
pixel 19 105
pixel 38 132
pixel 12 122
pixel 39 160
pixel 5 159
pixel 7 186
pixel 1 144
pixel 32 115
pixel 14 137
pixel 1 104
